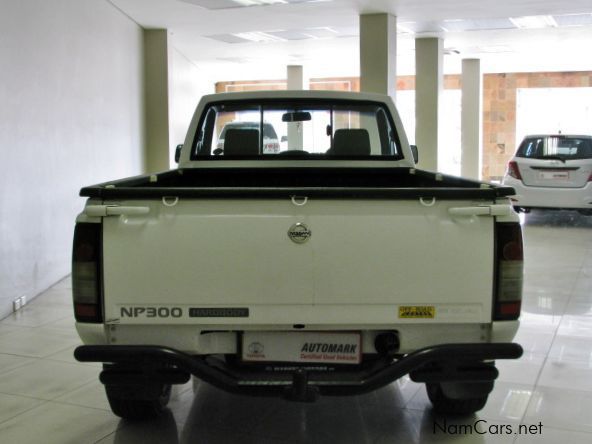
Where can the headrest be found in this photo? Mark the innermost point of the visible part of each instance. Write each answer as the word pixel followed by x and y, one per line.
pixel 351 142
pixel 241 142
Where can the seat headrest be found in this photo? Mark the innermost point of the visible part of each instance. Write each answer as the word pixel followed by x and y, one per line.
pixel 351 142
pixel 241 142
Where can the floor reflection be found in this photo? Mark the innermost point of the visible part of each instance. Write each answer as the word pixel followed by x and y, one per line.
pixel 556 218
pixel 220 417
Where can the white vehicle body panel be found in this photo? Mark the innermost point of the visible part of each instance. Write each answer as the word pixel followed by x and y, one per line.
pixel 230 253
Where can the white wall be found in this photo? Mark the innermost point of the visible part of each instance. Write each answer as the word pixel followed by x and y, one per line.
pixel 70 115
pixel 550 110
pixel 186 86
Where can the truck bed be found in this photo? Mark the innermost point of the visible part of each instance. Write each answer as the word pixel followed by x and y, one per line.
pixel 342 182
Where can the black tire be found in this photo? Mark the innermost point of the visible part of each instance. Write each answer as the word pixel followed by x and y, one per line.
pixel 126 401
pixel 454 406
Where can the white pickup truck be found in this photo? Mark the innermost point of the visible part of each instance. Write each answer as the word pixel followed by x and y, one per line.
pixel 330 267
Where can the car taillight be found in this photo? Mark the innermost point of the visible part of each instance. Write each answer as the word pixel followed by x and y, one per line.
pixel 510 262
pixel 86 273
pixel 514 171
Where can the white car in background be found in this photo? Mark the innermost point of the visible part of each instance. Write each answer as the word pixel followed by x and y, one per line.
pixel 552 171
pixel 271 143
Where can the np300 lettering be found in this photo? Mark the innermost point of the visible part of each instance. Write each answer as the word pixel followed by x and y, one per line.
pixel 211 270
pixel 151 312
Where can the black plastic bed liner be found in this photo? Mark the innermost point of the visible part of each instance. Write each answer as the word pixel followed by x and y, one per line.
pixel 378 183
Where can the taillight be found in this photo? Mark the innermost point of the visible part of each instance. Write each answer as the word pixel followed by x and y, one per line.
pixel 86 273
pixel 510 263
pixel 513 170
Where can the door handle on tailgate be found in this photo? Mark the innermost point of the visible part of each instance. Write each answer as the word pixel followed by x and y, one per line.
pixel 114 210
pixel 484 210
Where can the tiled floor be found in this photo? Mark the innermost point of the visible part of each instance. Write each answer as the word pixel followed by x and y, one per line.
pixel 47 397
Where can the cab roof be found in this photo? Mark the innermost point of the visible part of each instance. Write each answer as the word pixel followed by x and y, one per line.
pixel 297 94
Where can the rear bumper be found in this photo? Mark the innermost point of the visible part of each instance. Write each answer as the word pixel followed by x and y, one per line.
pixel 546 197
pixel 448 362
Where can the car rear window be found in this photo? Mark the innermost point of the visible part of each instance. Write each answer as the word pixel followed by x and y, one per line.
pixel 562 147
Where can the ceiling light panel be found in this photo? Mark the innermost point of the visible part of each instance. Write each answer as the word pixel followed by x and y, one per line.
pixel 230 4
pixel 476 25
pixel 321 33
pixel 281 35
pixel 227 38
pixel 573 19
pixel 534 22
pixel 257 36
pixel 289 35
pixel 246 37
pixel 306 33
pixel 214 4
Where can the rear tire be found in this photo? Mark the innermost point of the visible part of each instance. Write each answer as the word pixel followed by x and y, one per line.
pixel 138 402
pixel 446 404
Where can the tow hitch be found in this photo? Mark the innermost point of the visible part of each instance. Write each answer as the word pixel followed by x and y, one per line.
pixel 300 390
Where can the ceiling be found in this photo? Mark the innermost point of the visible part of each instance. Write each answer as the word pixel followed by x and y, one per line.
pixel 227 40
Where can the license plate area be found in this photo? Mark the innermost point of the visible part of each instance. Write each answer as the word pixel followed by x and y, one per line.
pixel 554 175
pixel 302 347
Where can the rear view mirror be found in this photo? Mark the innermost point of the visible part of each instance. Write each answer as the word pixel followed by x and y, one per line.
pixel 297 116
pixel 178 152
pixel 415 153
pixel 284 139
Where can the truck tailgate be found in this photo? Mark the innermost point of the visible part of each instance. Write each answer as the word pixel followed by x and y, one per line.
pixel 384 256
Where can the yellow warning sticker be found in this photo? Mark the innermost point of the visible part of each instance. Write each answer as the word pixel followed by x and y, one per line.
pixel 417 312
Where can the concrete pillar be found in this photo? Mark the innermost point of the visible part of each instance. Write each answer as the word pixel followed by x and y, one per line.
pixel 471 118
pixel 378 53
pixel 429 84
pixel 156 99
pixel 295 133
pixel 295 77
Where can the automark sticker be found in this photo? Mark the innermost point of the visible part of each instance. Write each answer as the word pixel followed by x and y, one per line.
pixel 334 347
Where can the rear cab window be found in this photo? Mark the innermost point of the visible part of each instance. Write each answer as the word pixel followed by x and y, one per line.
pixel 304 129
